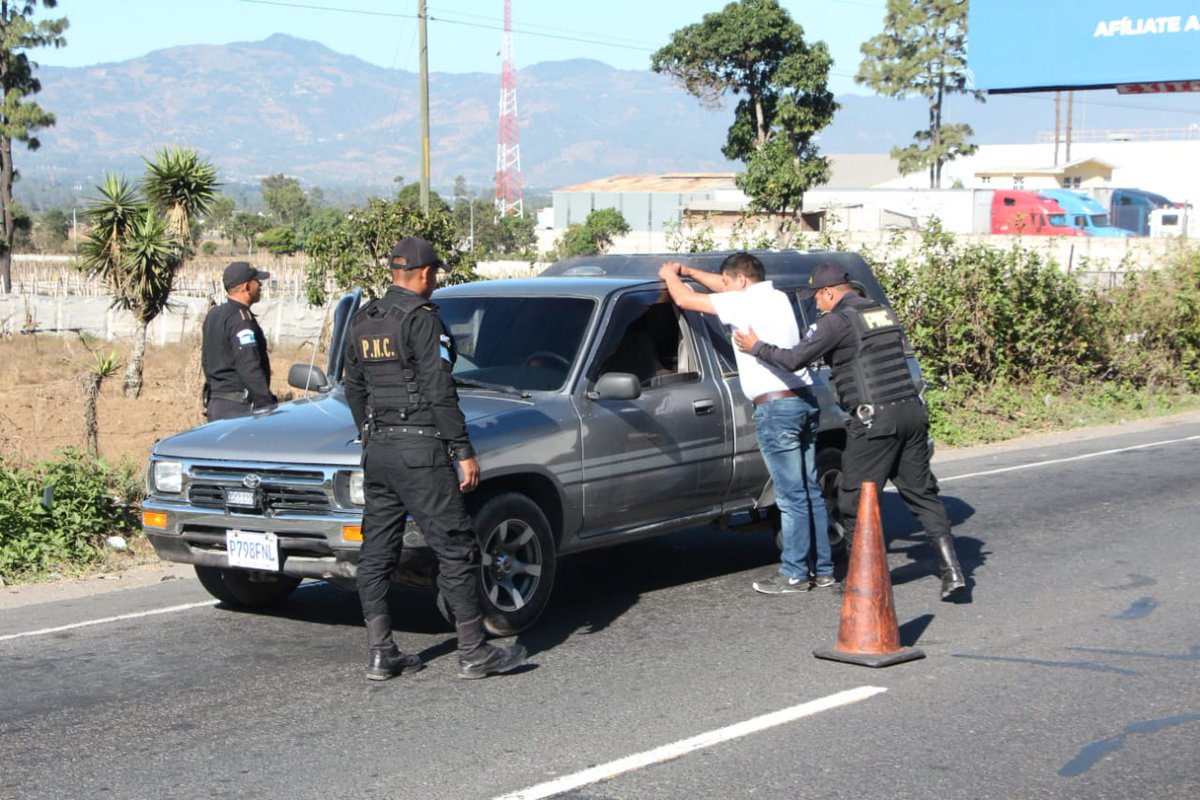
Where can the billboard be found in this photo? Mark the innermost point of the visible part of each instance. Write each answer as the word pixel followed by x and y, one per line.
pixel 1032 45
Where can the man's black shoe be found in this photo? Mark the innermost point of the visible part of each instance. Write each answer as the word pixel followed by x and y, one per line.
pixel 489 659
pixel 387 664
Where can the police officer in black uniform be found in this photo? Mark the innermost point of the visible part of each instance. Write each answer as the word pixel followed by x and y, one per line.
pixel 887 435
pixel 402 395
pixel 237 370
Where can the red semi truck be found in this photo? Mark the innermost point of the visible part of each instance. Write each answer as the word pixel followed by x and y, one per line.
pixel 1030 214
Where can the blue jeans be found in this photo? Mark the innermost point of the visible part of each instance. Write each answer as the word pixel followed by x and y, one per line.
pixel 787 437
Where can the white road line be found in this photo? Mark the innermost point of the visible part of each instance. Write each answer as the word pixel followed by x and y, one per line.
pixel 135 615
pixel 1053 461
pixel 685 746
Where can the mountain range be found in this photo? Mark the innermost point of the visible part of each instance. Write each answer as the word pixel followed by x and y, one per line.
pixel 297 107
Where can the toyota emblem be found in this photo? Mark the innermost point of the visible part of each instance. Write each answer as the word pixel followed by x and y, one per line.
pixel 251 481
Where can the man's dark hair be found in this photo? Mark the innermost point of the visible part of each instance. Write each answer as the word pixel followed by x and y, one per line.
pixel 744 264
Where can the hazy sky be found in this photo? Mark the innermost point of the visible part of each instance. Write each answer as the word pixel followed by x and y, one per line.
pixel 464 35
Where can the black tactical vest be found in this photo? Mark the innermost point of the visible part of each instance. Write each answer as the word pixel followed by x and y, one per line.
pixel 878 370
pixel 378 335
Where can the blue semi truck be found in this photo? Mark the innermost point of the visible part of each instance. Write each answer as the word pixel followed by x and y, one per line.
pixel 1086 213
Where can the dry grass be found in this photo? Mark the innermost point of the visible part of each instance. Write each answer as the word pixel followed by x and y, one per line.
pixel 41 402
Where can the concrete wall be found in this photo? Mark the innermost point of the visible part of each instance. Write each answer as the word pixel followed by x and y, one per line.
pixel 281 319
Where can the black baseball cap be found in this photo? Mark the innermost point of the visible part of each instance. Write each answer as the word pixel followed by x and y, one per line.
pixel 239 272
pixel 824 275
pixel 413 252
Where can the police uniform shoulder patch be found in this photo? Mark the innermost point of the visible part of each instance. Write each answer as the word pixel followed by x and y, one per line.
pixel 245 337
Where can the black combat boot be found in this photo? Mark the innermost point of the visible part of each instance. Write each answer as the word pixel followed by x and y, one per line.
pixel 953 580
pixel 477 659
pixel 387 660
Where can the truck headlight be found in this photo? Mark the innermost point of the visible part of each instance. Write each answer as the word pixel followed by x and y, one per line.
pixel 168 476
pixel 356 488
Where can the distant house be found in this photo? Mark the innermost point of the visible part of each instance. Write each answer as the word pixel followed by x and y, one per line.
pixel 1083 173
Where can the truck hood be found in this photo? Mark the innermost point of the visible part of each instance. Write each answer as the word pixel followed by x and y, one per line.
pixel 311 431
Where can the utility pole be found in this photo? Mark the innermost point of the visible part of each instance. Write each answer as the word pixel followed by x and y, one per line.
pixel 1070 114
pixel 1057 123
pixel 421 17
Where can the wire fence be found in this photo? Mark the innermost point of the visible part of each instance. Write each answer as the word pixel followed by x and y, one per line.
pixel 60 276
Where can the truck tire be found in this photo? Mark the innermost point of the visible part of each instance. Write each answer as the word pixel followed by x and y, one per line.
pixel 246 588
pixel 829 476
pixel 517 563
pixel 214 584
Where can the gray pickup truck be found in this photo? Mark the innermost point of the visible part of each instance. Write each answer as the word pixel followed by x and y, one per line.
pixel 599 413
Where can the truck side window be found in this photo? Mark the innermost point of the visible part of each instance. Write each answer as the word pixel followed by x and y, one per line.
pixel 651 345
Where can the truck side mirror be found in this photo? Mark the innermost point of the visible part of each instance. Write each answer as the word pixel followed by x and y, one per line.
pixel 616 386
pixel 308 378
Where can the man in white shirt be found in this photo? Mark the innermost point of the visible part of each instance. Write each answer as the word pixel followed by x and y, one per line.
pixel 785 410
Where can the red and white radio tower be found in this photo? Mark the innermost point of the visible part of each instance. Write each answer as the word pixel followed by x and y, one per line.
pixel 508 146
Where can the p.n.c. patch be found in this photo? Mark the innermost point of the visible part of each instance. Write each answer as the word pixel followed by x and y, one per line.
pixel 245 337
pixel 378 347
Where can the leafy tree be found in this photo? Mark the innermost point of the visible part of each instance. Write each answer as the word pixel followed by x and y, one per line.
pixel 922 51
pixel 356 251
pixel 244 227
pixel 755 51
pixel 286 199
pixel 20 119
pixel 220 211
pixel 130 247
pixel 594 236
pixel 52 230
pixel 279 241
pixel 323 219
pixel 410 196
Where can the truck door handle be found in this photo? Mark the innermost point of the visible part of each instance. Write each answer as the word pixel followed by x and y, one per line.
pixel 702 407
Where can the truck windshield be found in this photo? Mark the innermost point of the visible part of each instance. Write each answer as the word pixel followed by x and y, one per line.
pixel 1100 220
pixel 1058 219
pixel 527 343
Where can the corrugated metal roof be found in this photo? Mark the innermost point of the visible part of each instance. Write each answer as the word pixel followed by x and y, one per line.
pixel 670 182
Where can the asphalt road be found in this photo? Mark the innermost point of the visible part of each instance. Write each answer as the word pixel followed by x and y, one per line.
pixel 1070 671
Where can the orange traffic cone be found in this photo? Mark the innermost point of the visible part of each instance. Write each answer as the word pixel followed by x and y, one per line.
pixel 868 634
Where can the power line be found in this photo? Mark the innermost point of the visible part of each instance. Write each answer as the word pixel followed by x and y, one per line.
pixel 465 23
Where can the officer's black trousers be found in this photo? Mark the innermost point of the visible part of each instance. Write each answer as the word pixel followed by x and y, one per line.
pixel 895 448
pixel 414 474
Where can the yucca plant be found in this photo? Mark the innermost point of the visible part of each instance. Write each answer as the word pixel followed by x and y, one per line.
pixel 129 246
pixel 105 367
pixel 181 186
pixel 140 236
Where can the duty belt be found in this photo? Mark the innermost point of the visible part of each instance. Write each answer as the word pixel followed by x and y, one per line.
pixel 865 413
pixel 242 397
pixel 405 430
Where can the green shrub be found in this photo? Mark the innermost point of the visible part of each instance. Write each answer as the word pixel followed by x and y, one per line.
pixel 1152 325
pixel 1010 344
pixel 88 500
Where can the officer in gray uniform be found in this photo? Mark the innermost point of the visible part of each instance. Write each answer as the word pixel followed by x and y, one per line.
pixel 399 388
pixel 887 435
pixel 237 369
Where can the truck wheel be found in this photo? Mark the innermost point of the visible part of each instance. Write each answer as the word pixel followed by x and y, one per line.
pixel 211 580
pixel 829 476
pixel 255 589
pixel 517 563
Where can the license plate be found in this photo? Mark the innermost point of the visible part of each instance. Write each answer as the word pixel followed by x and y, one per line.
pixel 241 497
pixel 252 550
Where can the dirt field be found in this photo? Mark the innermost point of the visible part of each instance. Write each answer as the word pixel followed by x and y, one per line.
pixel 41 395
